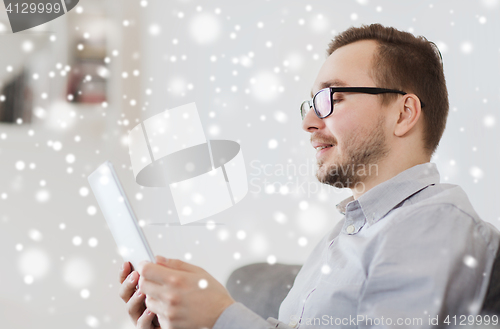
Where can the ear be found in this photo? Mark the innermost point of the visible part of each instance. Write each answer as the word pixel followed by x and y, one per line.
pixel 409 114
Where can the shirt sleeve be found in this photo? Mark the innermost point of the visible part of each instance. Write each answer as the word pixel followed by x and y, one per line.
pixel 431 264
pixel 239 316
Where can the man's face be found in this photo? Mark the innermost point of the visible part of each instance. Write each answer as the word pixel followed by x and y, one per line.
pixel 357 127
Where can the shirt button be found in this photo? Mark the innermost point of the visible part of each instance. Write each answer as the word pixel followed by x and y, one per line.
pixel 350 229
pixel 293 321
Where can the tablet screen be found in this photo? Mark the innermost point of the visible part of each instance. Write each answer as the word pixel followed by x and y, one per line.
pixel 121 220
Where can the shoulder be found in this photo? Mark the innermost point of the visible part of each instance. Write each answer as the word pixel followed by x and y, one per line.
pixel 441 195
pixel 434 235
pixel 442 211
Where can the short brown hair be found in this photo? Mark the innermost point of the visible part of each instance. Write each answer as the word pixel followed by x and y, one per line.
pixel 408 63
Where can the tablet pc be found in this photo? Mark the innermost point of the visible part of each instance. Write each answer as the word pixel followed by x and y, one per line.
pixel 119 215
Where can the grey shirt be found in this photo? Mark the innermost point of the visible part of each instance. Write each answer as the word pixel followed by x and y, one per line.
pixel 409 252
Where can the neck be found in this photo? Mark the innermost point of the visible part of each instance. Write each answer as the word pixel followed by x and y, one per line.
pixel 385 170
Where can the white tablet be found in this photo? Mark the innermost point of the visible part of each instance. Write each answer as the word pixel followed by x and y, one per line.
pixel 122 222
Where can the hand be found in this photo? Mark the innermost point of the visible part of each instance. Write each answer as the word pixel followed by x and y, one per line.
pixel 140 315
pixel 183 295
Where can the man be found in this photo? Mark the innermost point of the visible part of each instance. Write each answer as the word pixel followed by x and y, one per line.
pixel 409 251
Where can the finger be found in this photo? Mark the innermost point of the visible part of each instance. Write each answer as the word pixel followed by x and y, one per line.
pixel 145 321
pixel 136 306
pixel 127 288
pixel 161 260
pixel 156 322
pixel 125 271
pixel 158 273
pixel 150 288
pixel 180 265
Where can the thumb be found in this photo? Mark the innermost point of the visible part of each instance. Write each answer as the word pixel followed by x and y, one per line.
pixel 177 264
pixel 161 260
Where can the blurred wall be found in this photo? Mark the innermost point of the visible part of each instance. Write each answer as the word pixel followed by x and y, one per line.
pixel 248 66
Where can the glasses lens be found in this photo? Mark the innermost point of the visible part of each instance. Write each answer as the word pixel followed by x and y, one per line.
pixel 322 102
pixel 304 108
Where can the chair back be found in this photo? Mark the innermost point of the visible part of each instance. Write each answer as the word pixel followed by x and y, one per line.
pixel 262 287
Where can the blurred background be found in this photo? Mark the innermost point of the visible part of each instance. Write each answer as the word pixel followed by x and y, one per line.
pixel 71 89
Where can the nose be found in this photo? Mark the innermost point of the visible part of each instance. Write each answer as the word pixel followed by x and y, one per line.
pixel 311 122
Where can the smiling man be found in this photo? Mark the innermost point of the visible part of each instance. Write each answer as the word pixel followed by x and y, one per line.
pixel 409 251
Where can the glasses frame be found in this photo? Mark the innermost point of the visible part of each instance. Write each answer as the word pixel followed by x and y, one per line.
pixel 333 90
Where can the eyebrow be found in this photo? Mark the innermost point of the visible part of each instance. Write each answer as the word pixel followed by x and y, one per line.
pixel 331 83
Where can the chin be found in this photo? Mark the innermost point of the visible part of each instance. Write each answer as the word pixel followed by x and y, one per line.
pixel 321 173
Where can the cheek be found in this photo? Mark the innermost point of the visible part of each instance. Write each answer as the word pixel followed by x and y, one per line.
pixel 353 124
pixel 342 129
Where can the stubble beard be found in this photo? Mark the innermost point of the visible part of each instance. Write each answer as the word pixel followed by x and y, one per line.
pixel 361 154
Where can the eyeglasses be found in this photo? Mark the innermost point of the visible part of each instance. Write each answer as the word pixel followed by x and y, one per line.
pixel 323 102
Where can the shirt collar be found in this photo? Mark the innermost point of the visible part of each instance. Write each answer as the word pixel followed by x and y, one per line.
pixel 384 197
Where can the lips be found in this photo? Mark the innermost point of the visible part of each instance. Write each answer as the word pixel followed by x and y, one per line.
pixel 323 151
pixel 315 144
